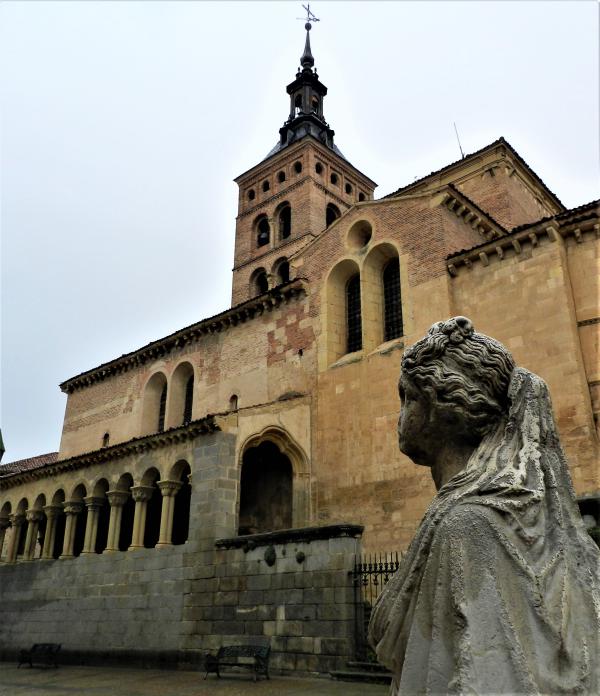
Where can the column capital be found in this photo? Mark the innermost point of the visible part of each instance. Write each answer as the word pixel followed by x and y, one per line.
pixel 117 498
pixel 141 493
pixel 34 515
pixel 72 507
pixel 93 502
pixel 17 519
pixel 169 488
pixel 52 510
pixel 4 523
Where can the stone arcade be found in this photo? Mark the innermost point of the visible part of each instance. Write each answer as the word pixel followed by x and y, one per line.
pixel 158 530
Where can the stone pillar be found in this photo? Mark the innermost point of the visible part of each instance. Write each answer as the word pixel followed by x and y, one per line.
pixel 72 508
pixel 52 512
pixel 4 525
pixel 116 500
pixel 34 517
pixel 169 490
pixel 141 495
pixel 17 522
pixel 93 506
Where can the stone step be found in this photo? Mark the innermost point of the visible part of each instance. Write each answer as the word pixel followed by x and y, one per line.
pixel 365 666
pixel 362 676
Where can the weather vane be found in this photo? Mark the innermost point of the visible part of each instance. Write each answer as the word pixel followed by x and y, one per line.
pixel 309 16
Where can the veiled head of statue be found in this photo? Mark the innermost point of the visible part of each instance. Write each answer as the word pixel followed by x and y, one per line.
pixel 454 384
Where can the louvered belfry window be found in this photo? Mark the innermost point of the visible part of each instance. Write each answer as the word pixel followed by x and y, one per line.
pixel 392 301
pixel 353 315
pixel 189 400
pixel 161 409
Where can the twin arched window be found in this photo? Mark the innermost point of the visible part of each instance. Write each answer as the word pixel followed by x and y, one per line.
pixel 168 405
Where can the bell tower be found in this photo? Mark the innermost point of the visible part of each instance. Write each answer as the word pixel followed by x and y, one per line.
pixel 296 192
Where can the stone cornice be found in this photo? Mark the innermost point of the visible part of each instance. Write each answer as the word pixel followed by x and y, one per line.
pixel 285 536
pixel 471 214
pixel 137 445
pixel 549 229
pixel 239 314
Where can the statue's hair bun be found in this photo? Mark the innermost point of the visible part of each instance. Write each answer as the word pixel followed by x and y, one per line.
pixel 456 329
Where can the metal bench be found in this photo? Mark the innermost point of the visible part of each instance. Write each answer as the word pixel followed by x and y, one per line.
pixel 40 653
pixel 254 657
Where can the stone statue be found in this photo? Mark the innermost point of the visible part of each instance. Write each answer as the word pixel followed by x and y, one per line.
pixel 499 591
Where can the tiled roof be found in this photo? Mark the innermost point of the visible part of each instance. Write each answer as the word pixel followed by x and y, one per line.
pixel 500 141
pixel 29 464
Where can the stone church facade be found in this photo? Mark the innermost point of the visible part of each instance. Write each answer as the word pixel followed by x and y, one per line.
pixel 220 481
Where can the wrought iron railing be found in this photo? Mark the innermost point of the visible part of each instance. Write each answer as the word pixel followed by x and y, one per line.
pixel 370 574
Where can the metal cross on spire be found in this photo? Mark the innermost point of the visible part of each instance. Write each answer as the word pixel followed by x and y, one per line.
pixel 309 16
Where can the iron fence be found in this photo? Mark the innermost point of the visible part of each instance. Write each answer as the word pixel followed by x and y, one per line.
pixel 370 574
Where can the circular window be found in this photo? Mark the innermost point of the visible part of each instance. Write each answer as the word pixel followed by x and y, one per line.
pixel 297 167
pixel 348 188
pixel 359 235
pixel 251 194
pixel 266 186
pixel 319 168
pixel 281 177
pixel 334 179
pixel 361 196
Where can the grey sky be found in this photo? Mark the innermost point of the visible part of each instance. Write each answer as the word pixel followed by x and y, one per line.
pixel 123 125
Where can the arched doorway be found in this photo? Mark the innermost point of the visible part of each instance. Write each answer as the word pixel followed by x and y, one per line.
pixel 266 490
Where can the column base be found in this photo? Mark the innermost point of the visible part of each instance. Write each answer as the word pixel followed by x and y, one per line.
pixel 135 547
pixel 110 551
pixel 65 558
pixel 162 544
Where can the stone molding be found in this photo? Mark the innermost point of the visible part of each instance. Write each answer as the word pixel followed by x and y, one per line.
pixel 285 536
pixel 93 502
pixel 52 511
pixel 34 515
pixel 136 445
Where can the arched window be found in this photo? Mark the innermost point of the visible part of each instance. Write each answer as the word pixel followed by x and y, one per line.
pixel 297 167
pixel 162 408
pixel 285 221
pixel 332 213
pixel 353 315
pixel 153 412
pixel 266 185
pixel 105 440
pixel 259 283
pixel 251 194
pixel 281 177
pixel 265 490
pixel 233 402
pixel 283 272
pixel 263 231
pixel 181 511
pixel 361 196
pixel 392 302
pixel 189 399
pixel 153 508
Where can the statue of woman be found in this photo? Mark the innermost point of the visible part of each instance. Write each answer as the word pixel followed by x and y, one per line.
pixel 499 591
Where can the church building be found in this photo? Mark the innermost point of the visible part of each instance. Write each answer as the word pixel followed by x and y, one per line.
pixel 220 481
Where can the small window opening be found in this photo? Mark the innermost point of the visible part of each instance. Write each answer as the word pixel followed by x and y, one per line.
pixel 332 213
pixel 353 315
pixel 189 400
pixel 251 194
pixel 298 101
pixel 315 104
pixel 334 179
pixel 361 196
pixel 348 188
pixel 283 271
pixel 266 186
pixel 233 402
pixel 105 440
pixel 285 222
pixel 161 409
pixel 262 283
pixel 392 301
pixel 297 167
pixel 319 168
pixel 264 232
pixel 281 177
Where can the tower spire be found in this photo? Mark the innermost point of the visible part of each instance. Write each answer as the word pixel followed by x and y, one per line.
pixel 306 60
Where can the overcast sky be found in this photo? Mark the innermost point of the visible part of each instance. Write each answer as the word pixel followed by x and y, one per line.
pixel 123 125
